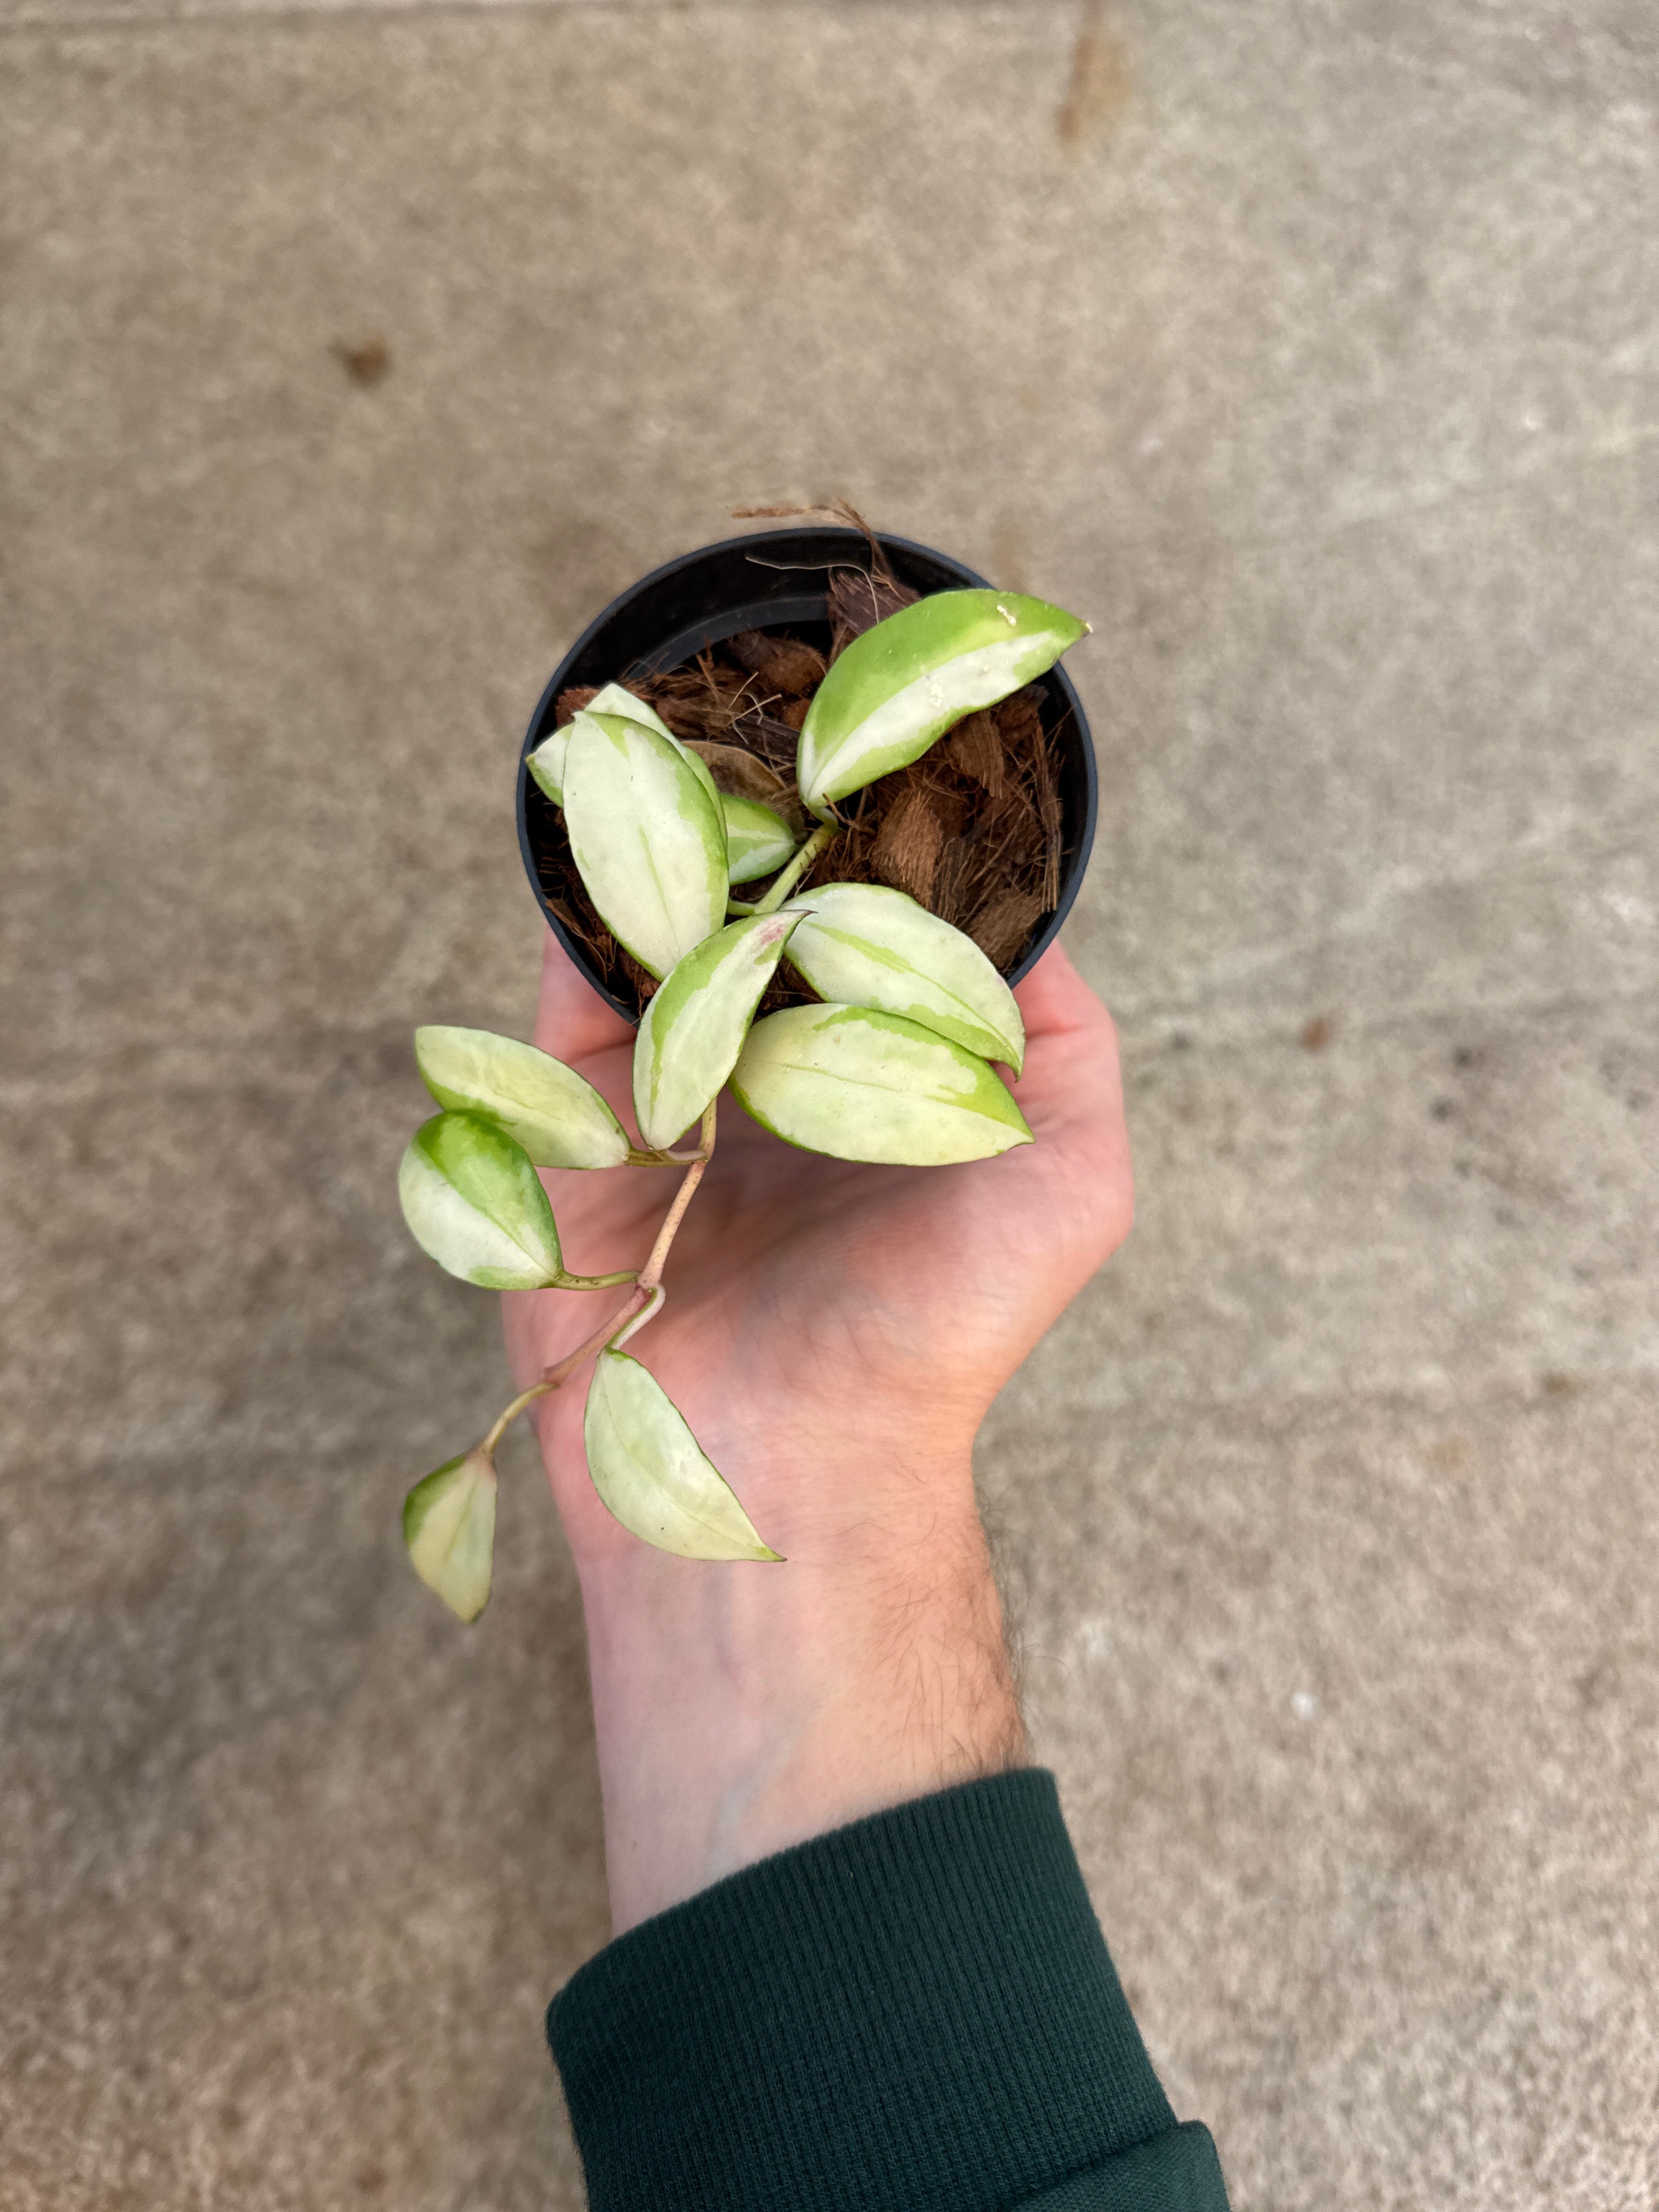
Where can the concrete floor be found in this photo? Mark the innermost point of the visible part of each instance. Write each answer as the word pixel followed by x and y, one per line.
pixel 1310 347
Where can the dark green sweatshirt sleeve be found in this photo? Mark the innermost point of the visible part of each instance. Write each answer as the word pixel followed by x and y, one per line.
pixel 915 2014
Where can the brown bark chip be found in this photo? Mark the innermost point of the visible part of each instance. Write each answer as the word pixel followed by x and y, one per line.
pixel 952 899
pixel 1001 928
pixel 570 704
pixel 950 803
pixel 1020 719
pixel 975 748
pixel 780 663
pixel 908 847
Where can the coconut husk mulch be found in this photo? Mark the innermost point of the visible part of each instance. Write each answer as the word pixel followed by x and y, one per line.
pixel 972 829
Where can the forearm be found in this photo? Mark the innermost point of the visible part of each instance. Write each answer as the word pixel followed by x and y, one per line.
pixel 742 1709
pixel 915 2007
pixel 915 2010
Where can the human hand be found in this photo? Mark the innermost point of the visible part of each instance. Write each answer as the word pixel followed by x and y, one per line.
pixel 834 1335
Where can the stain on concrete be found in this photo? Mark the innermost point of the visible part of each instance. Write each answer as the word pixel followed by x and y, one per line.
pixel 1098 90
pixel 365 361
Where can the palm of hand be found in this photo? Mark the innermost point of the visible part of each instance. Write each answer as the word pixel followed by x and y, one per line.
pixel 822 1314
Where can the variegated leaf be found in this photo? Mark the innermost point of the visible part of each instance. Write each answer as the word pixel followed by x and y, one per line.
pixel 757 844
pixel 473 1200
pixel 915 674
pixel 862 1085
pixel 693 1029
pixel 862 944
pixel 648 836
pixel 617 699
pixel 559 1118
pixel 546 763
pixel 651 1472
pixel 449 1529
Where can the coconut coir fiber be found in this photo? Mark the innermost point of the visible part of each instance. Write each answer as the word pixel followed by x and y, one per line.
pixel 972 829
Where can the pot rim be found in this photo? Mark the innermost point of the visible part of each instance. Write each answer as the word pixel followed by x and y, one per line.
pixel 682 644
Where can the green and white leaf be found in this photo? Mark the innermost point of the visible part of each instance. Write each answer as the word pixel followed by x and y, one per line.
pixel 449 1529
pixel 861 944
pixel 616 699
pixel 758 842
pixel 557 1116
pixel 653 1474
pixel 864 1085
pixel 547 762
pixel 915 674
pixel 648 835
pixel 473 1200
pixel 692 1032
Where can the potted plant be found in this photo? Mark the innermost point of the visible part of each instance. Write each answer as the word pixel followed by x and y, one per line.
pixel 802 806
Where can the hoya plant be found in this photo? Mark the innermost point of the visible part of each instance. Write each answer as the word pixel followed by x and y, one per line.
pixel 895 1060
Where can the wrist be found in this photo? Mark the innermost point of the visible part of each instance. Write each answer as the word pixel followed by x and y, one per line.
pixel 740 1709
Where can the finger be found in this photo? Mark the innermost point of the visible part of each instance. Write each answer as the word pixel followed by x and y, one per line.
pixel 573 1022
pixel 1071 1090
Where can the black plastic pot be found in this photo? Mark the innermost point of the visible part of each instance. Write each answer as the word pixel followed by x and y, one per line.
pixel 777 580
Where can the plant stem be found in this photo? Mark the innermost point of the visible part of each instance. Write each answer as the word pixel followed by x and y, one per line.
pixel 651 1275
pixel 647 1293
pixel 536 1390
pixel 823 835
pixel 552 1377
pixel 595 1282
pixel 647 1312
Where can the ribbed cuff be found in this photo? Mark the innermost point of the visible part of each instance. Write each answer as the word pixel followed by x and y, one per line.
pixel 915 2014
